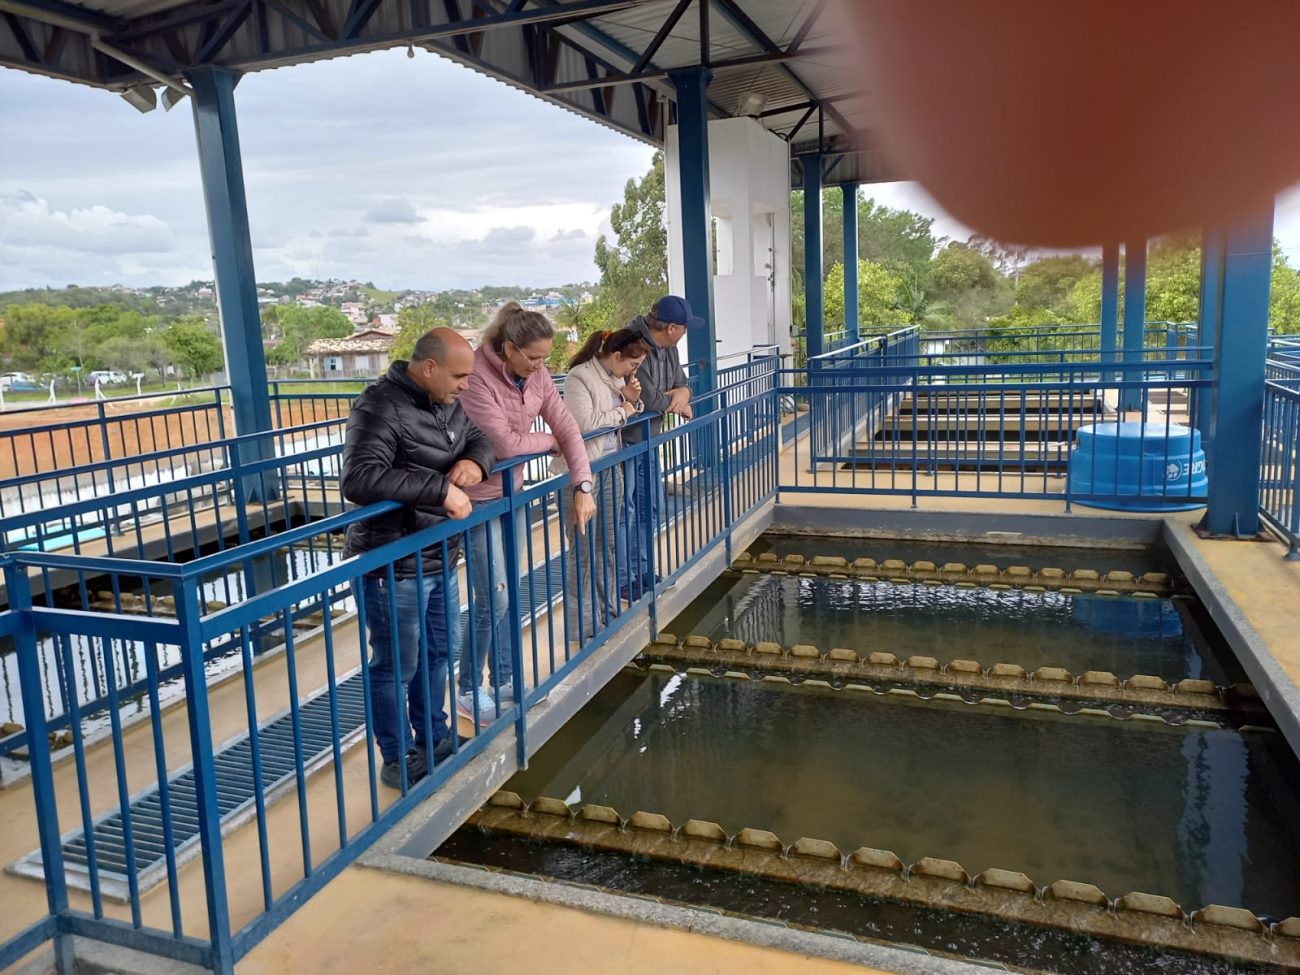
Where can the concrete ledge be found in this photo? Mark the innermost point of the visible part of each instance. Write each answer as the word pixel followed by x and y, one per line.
pixel 91 957
pixel 1277 691
pixel 1090 530
pixel 644 910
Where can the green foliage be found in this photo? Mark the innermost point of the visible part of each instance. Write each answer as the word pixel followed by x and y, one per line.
pixel 1284 296
pixel 412 322
pixel 899 240
pixel 194 347
pixel 295 328
pixel 1046 283
pixel 1174 279
pixel 634 266
pixel 878 292
pixel 965 288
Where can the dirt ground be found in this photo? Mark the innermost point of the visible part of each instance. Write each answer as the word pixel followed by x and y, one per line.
pixel 44 441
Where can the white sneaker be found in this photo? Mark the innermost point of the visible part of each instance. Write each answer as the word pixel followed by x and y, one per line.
pixel 487 709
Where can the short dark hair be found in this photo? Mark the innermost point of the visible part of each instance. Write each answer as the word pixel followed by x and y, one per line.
pixel 429 346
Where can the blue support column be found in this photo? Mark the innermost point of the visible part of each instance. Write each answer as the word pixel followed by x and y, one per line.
pixel 850 191
pixel 1208 325
pixel 1135 318
pixel 697 230
pixel 222 173
pixel 1109 302
pixel 1241 347
pixel 814 324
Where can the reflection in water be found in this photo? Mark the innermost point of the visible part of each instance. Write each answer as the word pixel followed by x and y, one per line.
pixel 1202 815
pixel 910 550
pixel 1123 635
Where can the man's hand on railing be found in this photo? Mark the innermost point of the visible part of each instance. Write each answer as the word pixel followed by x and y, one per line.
pixel 679 400
pixel 584 507
pixel 457 503
pixel 465 473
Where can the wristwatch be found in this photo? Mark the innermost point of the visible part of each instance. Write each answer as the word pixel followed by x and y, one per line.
pixel 583 486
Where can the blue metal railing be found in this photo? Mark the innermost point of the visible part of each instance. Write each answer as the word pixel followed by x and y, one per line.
pixel 1172 337
pixel 1279 502
pixel 906 426
pixel 718 466
pixel 885 417
pixel 837 420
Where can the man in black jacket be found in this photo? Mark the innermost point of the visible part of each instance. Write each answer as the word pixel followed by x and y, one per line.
pixel 408 440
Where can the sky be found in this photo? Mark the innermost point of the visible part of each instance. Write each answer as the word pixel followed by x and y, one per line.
pixel 411 173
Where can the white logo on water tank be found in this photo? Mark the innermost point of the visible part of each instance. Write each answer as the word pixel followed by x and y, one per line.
pixel 1171 472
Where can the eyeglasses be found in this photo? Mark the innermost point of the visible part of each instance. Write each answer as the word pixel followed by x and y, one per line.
pixel 536 360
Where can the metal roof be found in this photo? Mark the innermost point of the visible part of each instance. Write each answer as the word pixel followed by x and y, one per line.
pixel 608 60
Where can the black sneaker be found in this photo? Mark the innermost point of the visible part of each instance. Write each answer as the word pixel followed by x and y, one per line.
pixel 416 769
pixel 442 751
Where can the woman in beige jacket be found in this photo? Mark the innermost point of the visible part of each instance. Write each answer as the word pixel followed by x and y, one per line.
pixel 602 392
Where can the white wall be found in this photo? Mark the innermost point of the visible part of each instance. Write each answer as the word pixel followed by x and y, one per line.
pixel 749 190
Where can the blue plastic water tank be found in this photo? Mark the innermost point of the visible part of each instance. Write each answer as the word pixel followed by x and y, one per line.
pixel 1131 458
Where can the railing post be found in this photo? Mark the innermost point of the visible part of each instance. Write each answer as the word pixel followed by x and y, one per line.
pixel 514 608
pixel 725 443
pixel 114 521
pixel 644 512
pixel 1109 305
pixel 1135 313
pixel 19 590
pixel 198 714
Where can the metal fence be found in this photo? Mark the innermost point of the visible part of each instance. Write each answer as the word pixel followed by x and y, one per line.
pixel 1280 463
pixel 906 426
pixel 281 756
pixel 139 793
pixel 1174 338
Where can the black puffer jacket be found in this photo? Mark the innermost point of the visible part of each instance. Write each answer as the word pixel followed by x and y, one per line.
pixel 399 446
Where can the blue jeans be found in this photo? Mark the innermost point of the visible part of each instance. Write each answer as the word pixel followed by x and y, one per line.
pixel 391 645
pixel 491 618
pixel 638 500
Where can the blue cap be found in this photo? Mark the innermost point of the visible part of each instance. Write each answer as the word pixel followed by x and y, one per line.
pixel 671 310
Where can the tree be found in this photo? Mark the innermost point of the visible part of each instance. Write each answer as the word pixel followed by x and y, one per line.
pixel 298 327
pixel 1284 297
pixel 412 322
pixel 30 331
pixel 878 292
pixel 899 240
pixel 634 266
pixel 965 287
pixel 193 347
pixel 1046 283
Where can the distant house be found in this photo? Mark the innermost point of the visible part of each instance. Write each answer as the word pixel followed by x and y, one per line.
pixel 362 355
pixel 354 311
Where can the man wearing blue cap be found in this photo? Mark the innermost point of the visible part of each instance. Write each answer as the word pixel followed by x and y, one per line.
pixel 663 390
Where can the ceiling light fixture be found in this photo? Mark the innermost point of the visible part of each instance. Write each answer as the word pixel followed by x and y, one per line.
pixel 142 98
pixel 171 97
pixel 752 103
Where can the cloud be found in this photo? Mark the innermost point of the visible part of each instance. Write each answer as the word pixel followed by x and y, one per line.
pixel 397 210
pixel 28 221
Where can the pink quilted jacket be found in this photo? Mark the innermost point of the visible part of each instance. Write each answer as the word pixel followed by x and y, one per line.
pixel 506 413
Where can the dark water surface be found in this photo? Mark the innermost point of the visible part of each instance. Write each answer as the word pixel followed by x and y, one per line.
pixel 1123 635
pixel 944 932
pixel 1201 815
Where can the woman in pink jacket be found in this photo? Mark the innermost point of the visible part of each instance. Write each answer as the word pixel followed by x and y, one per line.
pixel 508 390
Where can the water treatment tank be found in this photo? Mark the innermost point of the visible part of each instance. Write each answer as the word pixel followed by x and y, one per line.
pixel 1144 460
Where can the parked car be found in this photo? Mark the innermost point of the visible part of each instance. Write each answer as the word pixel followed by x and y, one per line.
pixel 107 377
pixel 17 382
